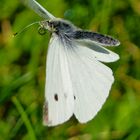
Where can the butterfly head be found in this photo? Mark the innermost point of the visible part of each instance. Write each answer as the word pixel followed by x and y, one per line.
pixel 47 25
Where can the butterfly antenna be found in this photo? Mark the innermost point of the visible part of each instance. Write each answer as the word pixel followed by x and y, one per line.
pixel 25 28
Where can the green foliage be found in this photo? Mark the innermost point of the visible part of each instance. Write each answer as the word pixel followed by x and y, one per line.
pixel 22 71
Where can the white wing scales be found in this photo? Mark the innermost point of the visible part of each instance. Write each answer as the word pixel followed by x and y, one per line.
pixel 36 7
pixel 58 92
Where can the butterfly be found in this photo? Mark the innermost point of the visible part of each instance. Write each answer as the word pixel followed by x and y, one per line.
pixel 77 82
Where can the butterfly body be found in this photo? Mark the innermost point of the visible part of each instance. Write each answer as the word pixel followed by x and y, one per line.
pixel 66 28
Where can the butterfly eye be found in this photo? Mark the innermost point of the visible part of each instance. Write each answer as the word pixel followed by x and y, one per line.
pixel 41 30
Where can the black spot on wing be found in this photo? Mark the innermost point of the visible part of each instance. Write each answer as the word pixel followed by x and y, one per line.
pixel 56 97
pixel 65 95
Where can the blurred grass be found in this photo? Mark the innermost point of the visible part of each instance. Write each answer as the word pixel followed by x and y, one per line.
pixel 22 71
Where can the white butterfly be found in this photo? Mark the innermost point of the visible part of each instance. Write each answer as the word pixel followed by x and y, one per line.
pixel 77 82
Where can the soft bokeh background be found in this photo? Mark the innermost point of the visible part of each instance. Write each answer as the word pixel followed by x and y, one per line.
pixel 22 71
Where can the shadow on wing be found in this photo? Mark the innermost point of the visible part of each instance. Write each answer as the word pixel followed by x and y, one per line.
pixel 93 46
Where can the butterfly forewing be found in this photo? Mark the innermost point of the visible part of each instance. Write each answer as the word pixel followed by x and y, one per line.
pixel 59 91
pixel 101 39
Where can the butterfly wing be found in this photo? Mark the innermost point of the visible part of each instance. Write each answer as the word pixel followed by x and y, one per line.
pixel 35 6
pixel 59 104
pixel 91 82
pixel 96 51
pixel 76 83
pixel 94 37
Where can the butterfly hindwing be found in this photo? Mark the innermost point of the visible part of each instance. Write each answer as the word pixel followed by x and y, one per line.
pixel 96 51
pixel 91 82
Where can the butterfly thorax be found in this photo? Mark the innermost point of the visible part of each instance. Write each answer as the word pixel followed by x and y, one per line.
pixel 58 26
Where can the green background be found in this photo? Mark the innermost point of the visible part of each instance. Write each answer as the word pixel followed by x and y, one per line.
pixel 23 61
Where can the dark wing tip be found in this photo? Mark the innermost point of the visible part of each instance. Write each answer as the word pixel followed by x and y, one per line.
pixel 116 42
pixel 104 40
